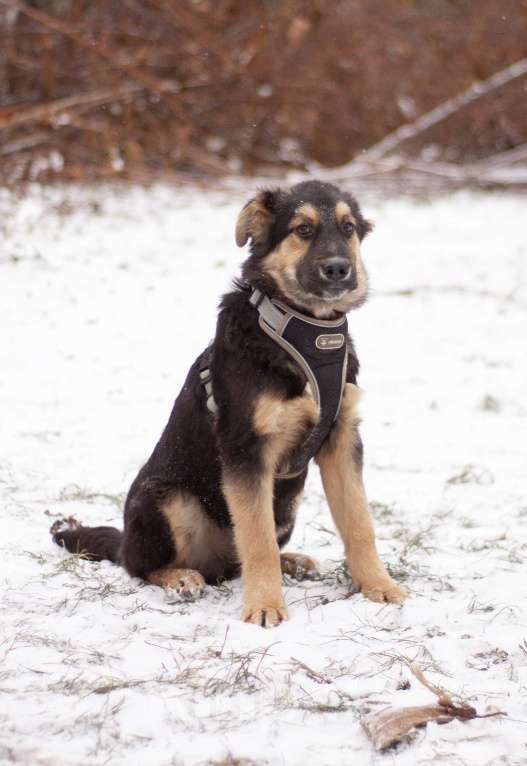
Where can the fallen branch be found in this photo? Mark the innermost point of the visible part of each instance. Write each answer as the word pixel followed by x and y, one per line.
pixel 392 726
pixel 433 117
pixel 498 168
pixel 52 109
pixel 320 678
pixel 508 157
pixel 95 48
pixel 23 144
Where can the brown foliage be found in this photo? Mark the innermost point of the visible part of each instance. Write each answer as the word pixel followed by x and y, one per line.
pixel 212 86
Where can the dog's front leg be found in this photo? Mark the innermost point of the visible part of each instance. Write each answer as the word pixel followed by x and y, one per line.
pixel 251 508
pixel 340 462
pixel 276 426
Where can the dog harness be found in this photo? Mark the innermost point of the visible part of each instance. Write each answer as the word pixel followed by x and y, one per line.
pixel 319 348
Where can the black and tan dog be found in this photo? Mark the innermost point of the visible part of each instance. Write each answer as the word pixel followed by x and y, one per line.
pixel 220 490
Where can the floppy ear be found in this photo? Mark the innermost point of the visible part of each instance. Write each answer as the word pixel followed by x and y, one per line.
pixel 255 219
pixel 364 227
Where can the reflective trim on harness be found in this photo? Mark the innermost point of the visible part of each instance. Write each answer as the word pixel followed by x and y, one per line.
pixel 206 380
pixel 324 365
pixel 319 348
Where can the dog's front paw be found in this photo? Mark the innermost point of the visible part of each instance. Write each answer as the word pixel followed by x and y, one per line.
pixel 385 590
pixel 264 615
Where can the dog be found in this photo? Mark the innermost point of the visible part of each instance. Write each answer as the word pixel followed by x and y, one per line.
pixel 276 388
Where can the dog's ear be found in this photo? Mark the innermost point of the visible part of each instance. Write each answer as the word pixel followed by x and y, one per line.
pixel 256 218
pixel 364 227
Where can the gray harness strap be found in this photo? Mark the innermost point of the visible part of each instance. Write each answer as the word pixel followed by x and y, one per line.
pixel 319 348
pixel 275 317
pixel 206 379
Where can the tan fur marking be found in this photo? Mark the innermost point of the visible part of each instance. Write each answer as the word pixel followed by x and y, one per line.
pixel 284 422
pixel 286 256
pixel 299 566
pixel 188 583
pixel 200 543
pixel 253 221
pixel 306 212
pixel 343 210
pixel 251 509
pixel 282 262
pixel 342 480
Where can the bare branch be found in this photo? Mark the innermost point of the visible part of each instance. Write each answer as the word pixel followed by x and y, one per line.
pixel 95 48
pixel 438 114
pixel 390 726
pixel 52 109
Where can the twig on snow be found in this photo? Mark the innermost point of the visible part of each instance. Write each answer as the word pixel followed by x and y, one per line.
pixel 391 726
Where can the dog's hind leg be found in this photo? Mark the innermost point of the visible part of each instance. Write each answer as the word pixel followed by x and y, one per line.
pixel 299 566
pixel 188 584
pixel 158 542
pixel 340 461
pixel 148 545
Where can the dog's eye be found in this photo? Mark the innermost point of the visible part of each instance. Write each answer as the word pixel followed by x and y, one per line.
pixel 305 230
pixel 348 228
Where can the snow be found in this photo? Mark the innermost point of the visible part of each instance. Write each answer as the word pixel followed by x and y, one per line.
pixel 107 295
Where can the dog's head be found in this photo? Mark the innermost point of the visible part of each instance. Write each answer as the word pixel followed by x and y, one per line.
pixel 305 247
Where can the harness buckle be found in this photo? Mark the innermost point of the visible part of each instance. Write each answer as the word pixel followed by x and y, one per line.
pixel 256 298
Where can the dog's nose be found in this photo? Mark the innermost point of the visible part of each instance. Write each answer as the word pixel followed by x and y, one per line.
pixel 335 269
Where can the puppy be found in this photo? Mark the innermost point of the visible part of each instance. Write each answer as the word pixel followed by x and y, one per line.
pixel 276 388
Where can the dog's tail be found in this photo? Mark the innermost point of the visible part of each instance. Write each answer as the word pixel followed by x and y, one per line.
pixel 94 543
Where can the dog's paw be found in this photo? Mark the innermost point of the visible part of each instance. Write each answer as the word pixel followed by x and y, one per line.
pixel 384 591
pixel 299 566
pixel 264 616
pixel 64 525
pixel 184 585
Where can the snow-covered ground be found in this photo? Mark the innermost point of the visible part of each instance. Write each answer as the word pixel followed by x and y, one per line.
pixel 105 299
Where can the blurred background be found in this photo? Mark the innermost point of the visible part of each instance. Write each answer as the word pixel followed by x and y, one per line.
pixel 141 89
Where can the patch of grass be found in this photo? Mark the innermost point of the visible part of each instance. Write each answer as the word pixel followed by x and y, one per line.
pixel 480 607
pixel 40 557
pixel 337 575
pixel 409 559
pixel 382 511
pixel 240 673
pixel 490 404
pixel 478 545
pixel 231 760
pixel 74 492
pixel 403 570
pixel 472 474
pixel 485 660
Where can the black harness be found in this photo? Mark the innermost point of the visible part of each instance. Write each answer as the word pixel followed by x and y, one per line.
pixel 319 347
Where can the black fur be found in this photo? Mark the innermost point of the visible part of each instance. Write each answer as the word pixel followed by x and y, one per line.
pixel 95 543
pixel 195 447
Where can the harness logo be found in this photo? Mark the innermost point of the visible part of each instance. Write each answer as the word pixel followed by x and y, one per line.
pixel 329 342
